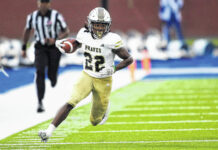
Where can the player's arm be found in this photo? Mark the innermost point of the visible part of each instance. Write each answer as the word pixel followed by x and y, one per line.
pixel 26 36
pixel 76 45
pixel 123 54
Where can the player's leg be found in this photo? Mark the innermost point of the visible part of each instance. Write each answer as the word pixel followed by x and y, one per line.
pixel 53 64
pixel 41 61
pixel 105 117
pixel 59 118
pixel 100 102
pixel 81 90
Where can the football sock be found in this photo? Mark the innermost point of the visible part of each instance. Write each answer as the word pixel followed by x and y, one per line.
pixel 50 129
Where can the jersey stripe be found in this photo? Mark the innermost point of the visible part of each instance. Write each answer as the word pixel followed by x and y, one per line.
pixel 118 44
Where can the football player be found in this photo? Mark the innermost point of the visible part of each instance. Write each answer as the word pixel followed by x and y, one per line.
pixel 100 47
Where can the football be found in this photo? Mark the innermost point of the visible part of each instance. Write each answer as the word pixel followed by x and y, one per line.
pixel 68 45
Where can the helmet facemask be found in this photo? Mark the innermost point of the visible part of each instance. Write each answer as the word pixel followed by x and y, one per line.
pixel 99 22
pixel 99 29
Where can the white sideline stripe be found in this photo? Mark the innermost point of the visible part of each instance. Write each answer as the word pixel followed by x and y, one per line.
pixel 168 108
pixel 163 122
pixel 119 142
pixel 167 114
pixel 206 70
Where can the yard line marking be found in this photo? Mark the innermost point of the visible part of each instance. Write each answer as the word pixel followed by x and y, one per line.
pixel 151 130
pixel 166 114
pixel 37 139
pixel 179 96
pixel 174 102
pixel 33 137
pixel 29 146
pixel 125 142
pixel 118 142
pixel 163 122
pixel 148 130
pixel 169 108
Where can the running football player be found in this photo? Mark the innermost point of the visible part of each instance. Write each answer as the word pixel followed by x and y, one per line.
pixel 100 47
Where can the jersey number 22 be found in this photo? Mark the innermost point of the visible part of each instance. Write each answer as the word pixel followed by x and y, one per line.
pixel 98 62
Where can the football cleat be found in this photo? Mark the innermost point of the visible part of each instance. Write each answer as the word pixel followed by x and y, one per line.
pixel 44 136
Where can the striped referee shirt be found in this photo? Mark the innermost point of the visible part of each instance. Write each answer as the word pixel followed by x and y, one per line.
pixel 47 26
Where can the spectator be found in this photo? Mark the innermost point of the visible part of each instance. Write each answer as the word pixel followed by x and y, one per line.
pixel 170 15
pixel 46 23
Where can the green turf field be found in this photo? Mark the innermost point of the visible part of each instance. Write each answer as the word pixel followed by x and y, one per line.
pixel 166 115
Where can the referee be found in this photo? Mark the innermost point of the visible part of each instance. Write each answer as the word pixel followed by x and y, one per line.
pixel 48 25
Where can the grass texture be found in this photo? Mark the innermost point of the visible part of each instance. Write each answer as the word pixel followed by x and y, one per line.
pixel 156 115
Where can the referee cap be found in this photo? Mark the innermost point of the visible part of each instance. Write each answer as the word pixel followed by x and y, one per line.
pixel 45 1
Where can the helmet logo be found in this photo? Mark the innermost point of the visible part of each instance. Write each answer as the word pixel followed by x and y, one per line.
pixel 100 14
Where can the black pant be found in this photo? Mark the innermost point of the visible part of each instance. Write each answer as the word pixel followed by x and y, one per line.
pixel 47 58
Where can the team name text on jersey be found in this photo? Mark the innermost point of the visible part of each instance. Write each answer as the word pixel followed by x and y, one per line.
pixel 92 49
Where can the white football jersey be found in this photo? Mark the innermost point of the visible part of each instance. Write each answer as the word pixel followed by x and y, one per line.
pixel 98 52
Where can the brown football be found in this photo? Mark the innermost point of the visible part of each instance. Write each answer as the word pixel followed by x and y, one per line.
pixel 68 45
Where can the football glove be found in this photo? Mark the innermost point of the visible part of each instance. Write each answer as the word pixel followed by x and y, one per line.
pixel 108 71
pixel 59 44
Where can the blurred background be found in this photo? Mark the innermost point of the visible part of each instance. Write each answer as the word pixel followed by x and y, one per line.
pixel 199 16
pixel 137 21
